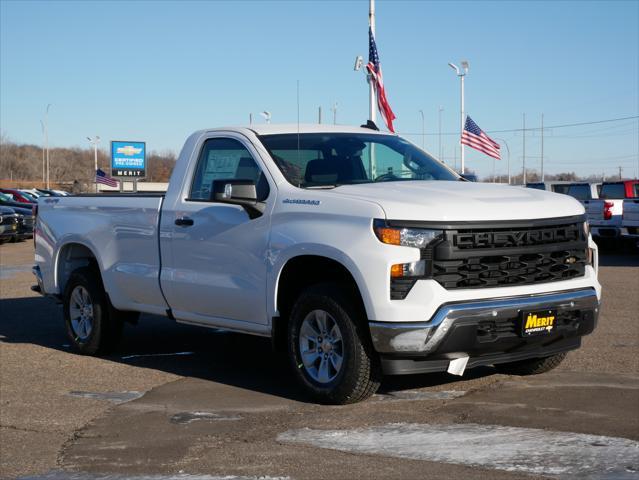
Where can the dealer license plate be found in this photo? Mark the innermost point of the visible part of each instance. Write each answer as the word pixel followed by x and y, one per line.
pixel 540 322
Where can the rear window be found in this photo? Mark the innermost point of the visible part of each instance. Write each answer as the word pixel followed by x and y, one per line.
pixel 536 186
pixel 613 191
pixel 580 192
pixel 560 188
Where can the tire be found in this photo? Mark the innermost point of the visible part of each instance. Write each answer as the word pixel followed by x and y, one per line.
pixel 533 366
pixel 100 327
pixel 359 374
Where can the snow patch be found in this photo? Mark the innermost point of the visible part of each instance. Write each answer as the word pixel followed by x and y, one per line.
pixel 527 450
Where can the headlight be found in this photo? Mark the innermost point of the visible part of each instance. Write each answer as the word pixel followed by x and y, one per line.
pixel 406 237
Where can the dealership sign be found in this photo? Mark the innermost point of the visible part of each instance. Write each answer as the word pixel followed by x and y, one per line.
pixel 128 159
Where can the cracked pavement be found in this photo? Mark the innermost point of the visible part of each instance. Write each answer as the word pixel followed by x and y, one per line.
pixel 214 403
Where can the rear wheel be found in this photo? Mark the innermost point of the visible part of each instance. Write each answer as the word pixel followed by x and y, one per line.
pixel 533 366
pixel 93 325
pixel 330 351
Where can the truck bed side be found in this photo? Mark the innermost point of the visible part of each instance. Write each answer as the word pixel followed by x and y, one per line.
pixel 119 231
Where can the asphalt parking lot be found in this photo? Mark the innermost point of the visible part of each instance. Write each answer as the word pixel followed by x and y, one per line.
pixel 183 402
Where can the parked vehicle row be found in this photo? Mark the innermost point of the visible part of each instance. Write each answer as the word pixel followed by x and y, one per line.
pixel 22 195
pixel 611 207
pixel 15 224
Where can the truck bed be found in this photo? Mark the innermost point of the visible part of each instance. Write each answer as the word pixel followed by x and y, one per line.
pixel 120 229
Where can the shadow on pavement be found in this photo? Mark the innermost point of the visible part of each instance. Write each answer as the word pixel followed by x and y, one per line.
pixel 615 253
pixel 233 359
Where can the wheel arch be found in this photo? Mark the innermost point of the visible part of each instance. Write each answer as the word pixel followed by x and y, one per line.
pixel 300 272
pixel 71 256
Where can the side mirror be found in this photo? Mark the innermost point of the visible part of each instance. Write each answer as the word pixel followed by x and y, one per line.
pixel 237 192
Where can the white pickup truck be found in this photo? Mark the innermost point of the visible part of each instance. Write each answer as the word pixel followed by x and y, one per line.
pixel 607 214
pixel 357 252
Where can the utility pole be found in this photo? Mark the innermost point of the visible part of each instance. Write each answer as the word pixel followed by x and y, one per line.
pixel 334 110
pixel 620 169
pixel 250 119
pixel 542 148
pixel 440 132
pixel 319 115
pixel 423 131
pixel 523 178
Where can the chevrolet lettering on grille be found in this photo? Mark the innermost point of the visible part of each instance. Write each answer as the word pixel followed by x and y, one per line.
pixel 517 238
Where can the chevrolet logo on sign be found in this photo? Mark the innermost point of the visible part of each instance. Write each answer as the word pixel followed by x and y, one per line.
pixel 539 322
pixel 128 150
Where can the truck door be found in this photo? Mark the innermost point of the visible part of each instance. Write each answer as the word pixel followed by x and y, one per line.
pixel 214 254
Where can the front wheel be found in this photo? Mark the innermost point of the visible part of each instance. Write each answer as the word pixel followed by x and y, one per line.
pixel 330 351
pixel 533 366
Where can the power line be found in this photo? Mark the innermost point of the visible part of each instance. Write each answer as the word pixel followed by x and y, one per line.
pixel 565 125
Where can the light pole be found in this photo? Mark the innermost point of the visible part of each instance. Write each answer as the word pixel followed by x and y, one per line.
pixel 43 159
pixel 461 73
pixel 46 138
pixel 94 141
pixel 508 150
pixel 334 110
pixel 267 116
pixel 423 131
pixel 523 173
pixel 441 154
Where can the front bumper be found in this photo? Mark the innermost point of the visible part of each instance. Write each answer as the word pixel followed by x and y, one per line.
pixel 487 331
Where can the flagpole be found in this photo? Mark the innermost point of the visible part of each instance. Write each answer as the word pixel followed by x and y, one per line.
pixel 372 111
pixel 462 124
pixel 94 141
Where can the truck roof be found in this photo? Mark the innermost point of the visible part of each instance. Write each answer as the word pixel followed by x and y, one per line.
pixel 275 128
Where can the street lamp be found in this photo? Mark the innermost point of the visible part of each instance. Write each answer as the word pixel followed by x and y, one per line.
pixel 267 116
pixel 94 141
pixel 43 159
pixel 334 110
pixel 461 73
pixel 46 138
pixel 423 131
pixel 508 150
pixel 441 109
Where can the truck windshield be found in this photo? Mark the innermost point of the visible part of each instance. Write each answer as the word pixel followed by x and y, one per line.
pixel 312 160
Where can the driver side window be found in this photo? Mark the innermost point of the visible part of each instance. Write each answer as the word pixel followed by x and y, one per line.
pixel 225 159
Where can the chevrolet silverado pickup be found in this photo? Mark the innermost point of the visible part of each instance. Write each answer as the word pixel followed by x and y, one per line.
pixel 606 214
pixel 358 253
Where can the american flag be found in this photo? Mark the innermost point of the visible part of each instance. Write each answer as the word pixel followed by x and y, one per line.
pixel 375 71
pixel 102 177
pixel 474 137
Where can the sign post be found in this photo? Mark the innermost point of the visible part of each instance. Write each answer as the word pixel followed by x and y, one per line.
pixel 128 160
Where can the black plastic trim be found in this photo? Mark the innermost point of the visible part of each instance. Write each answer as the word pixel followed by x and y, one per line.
pixel 406 366
pixel 528 223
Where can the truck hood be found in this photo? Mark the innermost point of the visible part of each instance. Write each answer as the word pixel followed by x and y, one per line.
pixel 462 201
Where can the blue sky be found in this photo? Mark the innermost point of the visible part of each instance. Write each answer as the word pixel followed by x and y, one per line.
pixel 156 71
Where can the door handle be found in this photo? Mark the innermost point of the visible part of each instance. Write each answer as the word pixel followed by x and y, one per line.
pixel 184 221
